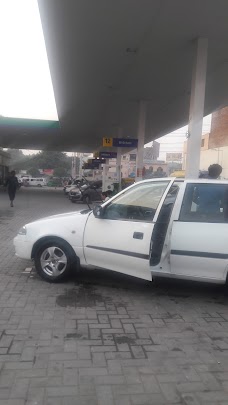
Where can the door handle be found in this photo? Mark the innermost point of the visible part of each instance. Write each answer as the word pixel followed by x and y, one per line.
pixel 138 235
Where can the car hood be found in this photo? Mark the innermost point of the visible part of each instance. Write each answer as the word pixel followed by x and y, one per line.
pixel 65 218
pixel 67 215
pixel 69 226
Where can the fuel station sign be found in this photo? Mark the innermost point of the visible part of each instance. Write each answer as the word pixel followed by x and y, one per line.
pixel 120 142
pixel 107 142
pixel 108 155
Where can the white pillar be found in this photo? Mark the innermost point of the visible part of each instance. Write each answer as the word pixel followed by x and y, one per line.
pixel 196 109
pixel 80 165
pixel 141 140
pixel 118 161
pixel 105 175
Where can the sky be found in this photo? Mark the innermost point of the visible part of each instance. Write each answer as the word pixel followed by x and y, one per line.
pixel 26 89
pixel 25 83
pixel 173 142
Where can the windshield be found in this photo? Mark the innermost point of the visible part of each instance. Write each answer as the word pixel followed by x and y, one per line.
pixel 138 203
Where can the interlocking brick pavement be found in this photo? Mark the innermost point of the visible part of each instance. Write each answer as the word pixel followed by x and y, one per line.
pixel 104 338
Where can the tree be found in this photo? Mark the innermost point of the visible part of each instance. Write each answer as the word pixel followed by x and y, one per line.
pixel 34 172
pixel 174 166
pixel 46 160
pixel 16 157
pixel 51 160
pixel 60 172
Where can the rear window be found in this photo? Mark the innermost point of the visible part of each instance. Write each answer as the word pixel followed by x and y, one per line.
pixel 205 203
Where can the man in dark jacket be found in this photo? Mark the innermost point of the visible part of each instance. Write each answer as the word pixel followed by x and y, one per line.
pixel 213 173
pixel 12 185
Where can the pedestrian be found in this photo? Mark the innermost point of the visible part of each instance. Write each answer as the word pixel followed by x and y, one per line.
pixel 214 172
pixel 12 185
pixel 210 199
pixel 105 195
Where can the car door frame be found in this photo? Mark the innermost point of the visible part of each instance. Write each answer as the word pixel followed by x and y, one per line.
pixel 170 182
pixel 163 267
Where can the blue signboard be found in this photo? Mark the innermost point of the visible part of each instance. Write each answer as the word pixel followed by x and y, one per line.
pixel 98 161
pixel 125 142
pixel 108 155
pixel 89 166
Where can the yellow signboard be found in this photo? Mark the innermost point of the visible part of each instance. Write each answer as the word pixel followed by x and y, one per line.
pixel 107 141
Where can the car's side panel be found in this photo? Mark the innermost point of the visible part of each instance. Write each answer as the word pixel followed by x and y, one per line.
pixel 199 249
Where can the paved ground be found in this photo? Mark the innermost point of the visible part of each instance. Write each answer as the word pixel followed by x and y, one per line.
pixel 103 338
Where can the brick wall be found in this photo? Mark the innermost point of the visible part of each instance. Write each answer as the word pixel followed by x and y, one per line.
pixel 219 129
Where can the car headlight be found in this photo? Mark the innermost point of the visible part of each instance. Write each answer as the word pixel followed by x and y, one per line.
pixel 22 231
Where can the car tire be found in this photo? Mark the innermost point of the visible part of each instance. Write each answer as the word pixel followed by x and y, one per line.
pixel 54 260
pixel 86 199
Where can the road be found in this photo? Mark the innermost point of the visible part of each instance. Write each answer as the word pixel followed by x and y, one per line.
pixel 104 338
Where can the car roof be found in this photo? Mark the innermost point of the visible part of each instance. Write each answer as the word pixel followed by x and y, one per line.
pixel 179 180
pixel 206 181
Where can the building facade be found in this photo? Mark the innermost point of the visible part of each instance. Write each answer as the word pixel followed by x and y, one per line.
pixel 152 166
pixel 214 145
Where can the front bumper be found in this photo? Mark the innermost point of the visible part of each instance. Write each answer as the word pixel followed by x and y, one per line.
pixel 23 248
pixel 76 197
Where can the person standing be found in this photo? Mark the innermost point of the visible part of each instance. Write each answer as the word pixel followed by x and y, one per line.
pixel 105 195
pixel 12 185
pixel 209 199
pixel 214 172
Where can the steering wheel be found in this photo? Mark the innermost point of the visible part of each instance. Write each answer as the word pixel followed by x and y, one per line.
pixel 145 213
pixel 135 212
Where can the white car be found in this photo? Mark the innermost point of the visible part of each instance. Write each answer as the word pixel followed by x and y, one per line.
pixel 164 227
pixel 75 183
pixel 68 189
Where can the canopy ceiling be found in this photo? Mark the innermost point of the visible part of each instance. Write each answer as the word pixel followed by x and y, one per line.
pixel 106 55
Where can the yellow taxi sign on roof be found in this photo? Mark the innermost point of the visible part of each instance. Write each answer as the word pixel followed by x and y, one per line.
pixel 178 173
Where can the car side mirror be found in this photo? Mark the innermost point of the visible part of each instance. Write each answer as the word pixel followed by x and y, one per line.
pixel 98 211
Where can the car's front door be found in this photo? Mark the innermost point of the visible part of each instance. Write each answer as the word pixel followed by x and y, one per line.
pixel 121 239
pixel 199 237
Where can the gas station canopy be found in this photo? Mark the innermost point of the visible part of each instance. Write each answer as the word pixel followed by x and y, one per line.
pixel 107 55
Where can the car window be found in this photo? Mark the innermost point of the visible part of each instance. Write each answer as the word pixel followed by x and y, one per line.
pixel 138 203
pixel 205 203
